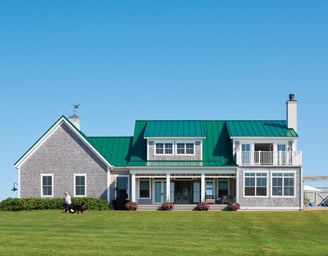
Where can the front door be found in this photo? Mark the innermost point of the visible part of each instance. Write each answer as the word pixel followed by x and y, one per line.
pixel 183 192
pixel 160 191
pixel 196 192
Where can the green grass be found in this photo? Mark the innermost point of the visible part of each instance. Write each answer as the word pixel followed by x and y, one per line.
pixel 164 233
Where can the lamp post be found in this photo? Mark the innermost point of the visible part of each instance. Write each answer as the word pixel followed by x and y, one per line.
pixel 15 185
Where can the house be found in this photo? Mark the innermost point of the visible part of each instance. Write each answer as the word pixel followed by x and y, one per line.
pixel 255 162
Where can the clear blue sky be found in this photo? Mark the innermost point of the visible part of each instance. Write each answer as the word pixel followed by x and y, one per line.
pixel 128 60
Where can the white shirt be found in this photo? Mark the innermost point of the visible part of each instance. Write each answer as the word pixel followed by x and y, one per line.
pixel 68 199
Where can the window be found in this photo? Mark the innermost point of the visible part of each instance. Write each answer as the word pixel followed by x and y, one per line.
pixel 209 190
pixel 245 148
pixel 47 185
pixel 255 184
pixel 164 148
pixel 80 185
pixel 281 148
pixel 144 189
pixel 283 184
pixel 223 187
pixel 185 148
pixel 122 187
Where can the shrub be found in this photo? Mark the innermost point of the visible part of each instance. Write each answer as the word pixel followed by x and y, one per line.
pixel 233 207
pixel 19 204
pixel 167 206
pixel 132 206
pixel 203 206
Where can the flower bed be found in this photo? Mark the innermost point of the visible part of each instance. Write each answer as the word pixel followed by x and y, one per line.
pixel 167 206
pixel 233 207
pixel 132 206
pixel 203 206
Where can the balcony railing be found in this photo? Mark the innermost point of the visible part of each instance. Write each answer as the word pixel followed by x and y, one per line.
pixel 269 158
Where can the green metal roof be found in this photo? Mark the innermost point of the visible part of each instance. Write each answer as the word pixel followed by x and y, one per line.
pixel 138 153
pixel 174 128
pixel 260 128
pixel 114 149
pixel 217 147
pixel 217 150
pixel 215 136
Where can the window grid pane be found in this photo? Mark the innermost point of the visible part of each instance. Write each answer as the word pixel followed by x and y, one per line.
pixel 189 148
pixel 144 189
pixel 80 185
pixel 47 185
pixel 255 184
pixel 283 184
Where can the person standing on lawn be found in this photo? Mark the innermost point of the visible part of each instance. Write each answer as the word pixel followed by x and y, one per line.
pixel 67 202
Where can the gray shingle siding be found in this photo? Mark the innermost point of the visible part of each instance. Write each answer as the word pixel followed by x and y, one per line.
pixel 62 155
pixel 270 201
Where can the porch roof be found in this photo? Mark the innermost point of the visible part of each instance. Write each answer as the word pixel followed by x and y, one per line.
pixel 178 164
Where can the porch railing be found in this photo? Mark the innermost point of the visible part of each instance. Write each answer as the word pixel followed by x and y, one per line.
pixel 269 158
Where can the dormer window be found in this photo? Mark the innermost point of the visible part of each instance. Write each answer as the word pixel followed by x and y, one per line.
pixel 164 148
pixel 185 148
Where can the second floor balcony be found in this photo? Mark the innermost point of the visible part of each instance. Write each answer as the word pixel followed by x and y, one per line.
pixel 281 158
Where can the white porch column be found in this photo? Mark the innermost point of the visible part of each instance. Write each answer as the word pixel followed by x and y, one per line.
pixel 108 184
pixel 168 187
pixel 237 186
pixel 202 187
pixel 275 154
pixel 133 187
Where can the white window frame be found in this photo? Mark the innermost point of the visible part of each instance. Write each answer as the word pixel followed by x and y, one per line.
pixel 149 188
pixel 283 177
pixel 52 184
pixel 267 184
pixel 86 187
pixel 185 148
pixel 163 142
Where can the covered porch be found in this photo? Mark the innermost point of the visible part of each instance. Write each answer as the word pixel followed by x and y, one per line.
pixel 183 187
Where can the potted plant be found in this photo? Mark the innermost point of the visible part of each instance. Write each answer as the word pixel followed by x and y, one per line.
pixel 132 206
pixel 202 206
pixel 167 206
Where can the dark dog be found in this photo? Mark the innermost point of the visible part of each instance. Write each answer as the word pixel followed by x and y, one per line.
pixel 77 208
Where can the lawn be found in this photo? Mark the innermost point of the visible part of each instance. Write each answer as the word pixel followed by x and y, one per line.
pixel 164 233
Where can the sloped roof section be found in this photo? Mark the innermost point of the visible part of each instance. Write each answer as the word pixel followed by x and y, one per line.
pixel 174 128
pixel 114 149
pixel 138 153
pixel 217 150
pixel 259 128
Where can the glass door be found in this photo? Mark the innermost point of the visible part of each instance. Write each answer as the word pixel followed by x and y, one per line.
pixel 196 192
pixel 223 187
pixel 160 191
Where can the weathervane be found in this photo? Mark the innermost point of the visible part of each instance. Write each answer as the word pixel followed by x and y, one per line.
pixel 75 108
